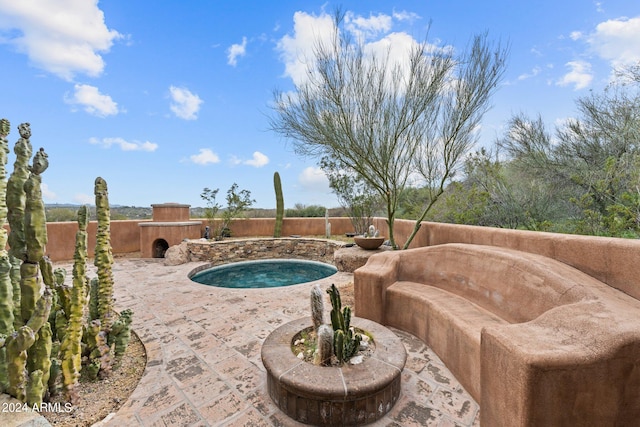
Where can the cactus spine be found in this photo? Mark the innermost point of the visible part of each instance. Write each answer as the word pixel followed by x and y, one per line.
pixel 317 307
pixel 279 204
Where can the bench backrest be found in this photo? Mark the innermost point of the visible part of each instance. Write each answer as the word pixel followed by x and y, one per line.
pixel 515 285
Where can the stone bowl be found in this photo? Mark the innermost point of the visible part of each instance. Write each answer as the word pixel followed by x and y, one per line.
pixel 368 243
pixel 350 395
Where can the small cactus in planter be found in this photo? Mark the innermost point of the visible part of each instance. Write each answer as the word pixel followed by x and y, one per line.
pixel 317 307
pixel 325 345
pixel 337 339
pixel 345 341
pixel 371 239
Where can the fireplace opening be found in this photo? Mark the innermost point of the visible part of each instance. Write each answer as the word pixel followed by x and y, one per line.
pixel 160 246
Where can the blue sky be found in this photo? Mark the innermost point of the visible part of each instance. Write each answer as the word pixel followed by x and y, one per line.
pixel 164 98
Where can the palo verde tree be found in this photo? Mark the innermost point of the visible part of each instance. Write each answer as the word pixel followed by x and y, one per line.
pixel 394 118
pixel 593 161
pixel 355 195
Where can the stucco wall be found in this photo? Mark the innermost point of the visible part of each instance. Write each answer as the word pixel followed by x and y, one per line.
pixel 126 234
pixel 125 238
pixel 611 260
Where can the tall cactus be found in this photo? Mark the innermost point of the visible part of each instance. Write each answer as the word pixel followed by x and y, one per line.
pixel 30 360
pixel 16 196
pixel 103 255
pixel 71 346
pixel 27 349
pixel 277 184
pixel 6 287
pixel 35 232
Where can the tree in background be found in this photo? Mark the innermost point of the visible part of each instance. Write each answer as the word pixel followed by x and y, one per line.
pixel 358 199
pixel 393 123
pixel 238 201
pixel 592 162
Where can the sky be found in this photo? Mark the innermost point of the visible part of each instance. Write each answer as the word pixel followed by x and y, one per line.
pixel 165 98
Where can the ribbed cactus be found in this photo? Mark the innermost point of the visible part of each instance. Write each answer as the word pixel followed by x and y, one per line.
pixel 16 197
pixel 6 287
pixel 39 366
pixel 35 229
pixel 38 343
pixel 325 345
pixel 120 333
pixel 22 340
pixel 99 357
pixel 103 255
pixel 277 184
pixel 345 341
pixel 71 345
pixel 317 307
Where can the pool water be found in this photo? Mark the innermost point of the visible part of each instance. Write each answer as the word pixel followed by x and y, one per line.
pixel 270 273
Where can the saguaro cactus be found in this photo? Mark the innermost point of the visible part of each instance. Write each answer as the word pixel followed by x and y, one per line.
pixel 277 184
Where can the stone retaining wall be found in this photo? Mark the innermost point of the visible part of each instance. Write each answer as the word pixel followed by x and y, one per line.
pixel 226 251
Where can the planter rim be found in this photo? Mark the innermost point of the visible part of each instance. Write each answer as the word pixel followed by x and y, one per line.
pixel 344 385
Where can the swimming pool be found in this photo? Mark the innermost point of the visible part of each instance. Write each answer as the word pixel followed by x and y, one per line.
pixel 269 273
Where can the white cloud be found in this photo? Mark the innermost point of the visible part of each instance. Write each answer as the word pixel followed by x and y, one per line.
pixel 314 179
pixel 405 16
pixel 124 144
pixel 370 27
pixel 579 76
pixel 92 101
pixel 185 105
pixel 297 51
pixel 64 37
pixel 47 193
pixel 205 157
pixel 235 51
pixel 575 35
pixel 259 160
pixel 534 72
pixel 84 199
pixel 617 40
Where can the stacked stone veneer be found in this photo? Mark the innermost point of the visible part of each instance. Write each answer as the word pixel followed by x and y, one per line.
pixel 227 251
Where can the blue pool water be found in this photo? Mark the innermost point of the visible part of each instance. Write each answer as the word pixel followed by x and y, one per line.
pixel 269 273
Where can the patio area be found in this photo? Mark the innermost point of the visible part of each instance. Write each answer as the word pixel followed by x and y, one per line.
pixel 203 347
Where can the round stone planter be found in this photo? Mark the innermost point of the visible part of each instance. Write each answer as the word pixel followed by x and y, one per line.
pixel 350 395
pixel 368 243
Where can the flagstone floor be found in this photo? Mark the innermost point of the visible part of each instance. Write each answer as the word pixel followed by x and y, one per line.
pixel 203 347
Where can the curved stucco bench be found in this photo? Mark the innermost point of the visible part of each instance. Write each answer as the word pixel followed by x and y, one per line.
pixel 535 341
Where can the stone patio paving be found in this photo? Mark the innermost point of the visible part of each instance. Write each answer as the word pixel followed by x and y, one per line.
pixel 203 347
